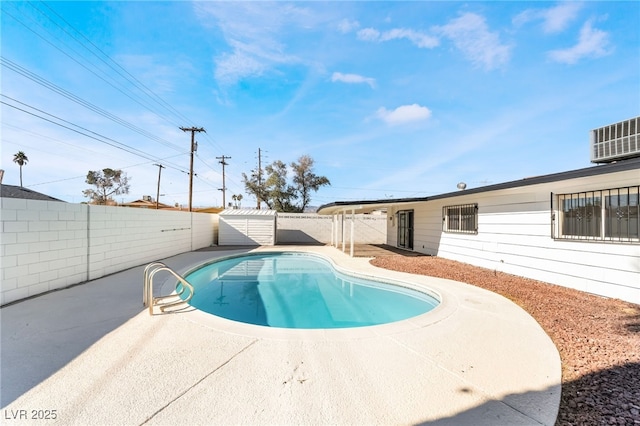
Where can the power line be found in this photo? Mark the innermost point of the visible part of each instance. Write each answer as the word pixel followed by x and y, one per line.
pixel 106 69
pixel 98 137
pixel 205 163
pixel 214 144
pixel 115 144
pixel 57 89
pixel 112 84
pixel 94 72
pixel 84 176
pixel 141 86
pixel 41 136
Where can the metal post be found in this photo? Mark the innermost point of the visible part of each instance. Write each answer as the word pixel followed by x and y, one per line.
pixel 344 234
pixel 353 220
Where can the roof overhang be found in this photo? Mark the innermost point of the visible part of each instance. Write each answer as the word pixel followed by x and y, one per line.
pixel 361 207
pixel 340 207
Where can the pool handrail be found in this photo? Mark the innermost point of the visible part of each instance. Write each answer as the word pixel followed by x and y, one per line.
pixel 146 278
pixel 147 291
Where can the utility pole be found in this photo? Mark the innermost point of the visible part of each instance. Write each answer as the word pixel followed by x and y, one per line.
pixel 160 167
pixel 224 188
pixel 193 131
pixel 259 175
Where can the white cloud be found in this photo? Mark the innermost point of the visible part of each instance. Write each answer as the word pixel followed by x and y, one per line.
pixel 554 19
pixel 353 79
pixel 368 34
pixel 253 32
pixel 230 67
pixel 472 37
pixel 524 17
pixel 404 114
pixel 592 43
pixel 346 26
pixel 557 18
pixel 419 39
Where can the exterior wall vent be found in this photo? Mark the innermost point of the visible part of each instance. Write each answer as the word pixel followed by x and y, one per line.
pixel 616 141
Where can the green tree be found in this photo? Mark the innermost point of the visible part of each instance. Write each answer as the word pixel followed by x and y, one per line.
pixel 279 193
pixel 305 181
pixel 107 182
pixel 276 191
pixel 21 159
pixel 254 184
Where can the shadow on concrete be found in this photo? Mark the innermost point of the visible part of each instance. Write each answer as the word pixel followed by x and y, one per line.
pixel 295 236
pixel 592 399
pixel 42 334
pixel 509 411
pixel 372 250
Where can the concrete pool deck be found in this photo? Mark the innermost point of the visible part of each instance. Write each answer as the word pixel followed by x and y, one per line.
pixel 94 355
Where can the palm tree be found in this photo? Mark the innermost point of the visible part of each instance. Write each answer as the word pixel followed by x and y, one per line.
pixel 21 159
pixel 236 200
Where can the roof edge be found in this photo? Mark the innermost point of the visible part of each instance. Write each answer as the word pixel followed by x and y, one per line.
pixel 618 166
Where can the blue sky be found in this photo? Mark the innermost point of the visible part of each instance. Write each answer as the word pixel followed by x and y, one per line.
pixel 391 99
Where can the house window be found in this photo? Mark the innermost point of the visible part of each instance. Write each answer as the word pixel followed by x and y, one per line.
pixel 604 215
pixel 462 218
pixel 581 214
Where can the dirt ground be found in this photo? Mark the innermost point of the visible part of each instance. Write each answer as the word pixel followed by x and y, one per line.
pixel 598 338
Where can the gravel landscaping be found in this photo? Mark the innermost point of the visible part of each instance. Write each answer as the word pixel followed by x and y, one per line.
pixel 598 338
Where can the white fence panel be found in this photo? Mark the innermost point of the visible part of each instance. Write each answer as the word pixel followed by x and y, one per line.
pixel 47 245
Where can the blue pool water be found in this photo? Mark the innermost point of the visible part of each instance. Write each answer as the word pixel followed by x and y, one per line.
pixel 299 290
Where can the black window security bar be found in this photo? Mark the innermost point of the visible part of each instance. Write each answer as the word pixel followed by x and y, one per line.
pixel 462 218
pixel 603 215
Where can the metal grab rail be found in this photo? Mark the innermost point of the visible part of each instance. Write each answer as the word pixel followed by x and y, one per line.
pixel 145 288
pixel 147 291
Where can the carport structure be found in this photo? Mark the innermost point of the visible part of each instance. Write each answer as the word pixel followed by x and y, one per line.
pixel 339 212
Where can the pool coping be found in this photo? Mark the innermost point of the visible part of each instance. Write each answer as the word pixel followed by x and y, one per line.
pixel 359 267
pixel 476 359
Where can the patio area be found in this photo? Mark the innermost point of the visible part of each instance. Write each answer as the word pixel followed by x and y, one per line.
pixel 94 355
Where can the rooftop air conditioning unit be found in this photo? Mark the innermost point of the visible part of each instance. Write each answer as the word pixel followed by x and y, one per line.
pixel 616 141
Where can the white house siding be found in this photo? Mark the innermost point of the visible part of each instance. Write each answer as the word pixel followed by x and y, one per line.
pixel 514 236
pixel 247 227
pixel 47 245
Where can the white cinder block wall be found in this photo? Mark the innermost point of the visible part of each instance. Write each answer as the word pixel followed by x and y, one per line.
pixel 120 238
pixel 307 228
pixel 46 245
pixel 204 231
pixel 43 246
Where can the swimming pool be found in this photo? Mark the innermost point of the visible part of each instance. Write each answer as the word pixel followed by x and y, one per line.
pixel 299 290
